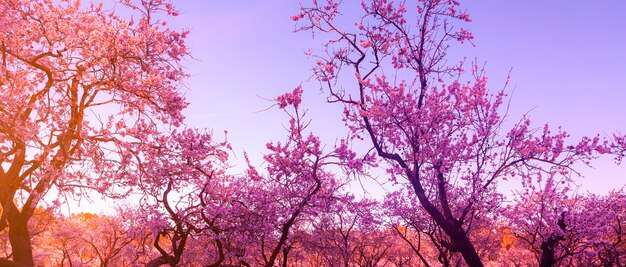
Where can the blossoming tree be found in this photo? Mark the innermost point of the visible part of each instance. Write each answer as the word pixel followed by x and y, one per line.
pixel 564 228
pixel 180 176
pixel 296 186
pixel 445 136
pixel 63 68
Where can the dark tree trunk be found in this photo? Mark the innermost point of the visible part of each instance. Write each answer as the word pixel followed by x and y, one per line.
pixel 158 262
pixel 19 237
pixel 548 246
pixel 220 251
pixel 466 248
pixel 285 256
pixel 547 252
pixel 8 263
pixel 460 242
pixel 17 222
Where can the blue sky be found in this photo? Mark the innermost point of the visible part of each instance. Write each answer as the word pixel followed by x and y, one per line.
pixel 568 60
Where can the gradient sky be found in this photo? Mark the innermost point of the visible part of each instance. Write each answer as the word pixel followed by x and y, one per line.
pixel 568 60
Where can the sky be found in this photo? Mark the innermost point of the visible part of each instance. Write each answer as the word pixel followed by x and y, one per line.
pixel 568 62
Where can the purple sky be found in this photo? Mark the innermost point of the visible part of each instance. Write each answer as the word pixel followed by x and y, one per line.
pixel 568 60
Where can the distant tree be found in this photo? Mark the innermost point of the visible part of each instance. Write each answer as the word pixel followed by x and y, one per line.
pixel 608 244
pixel 340 230
pixel 180 177
pixel 87 239
pixel 296 186
pixel 563 228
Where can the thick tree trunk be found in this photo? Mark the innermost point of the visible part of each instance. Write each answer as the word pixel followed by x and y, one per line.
pixel 454 230
pixel 20 244
pixel 220 251
pixel 460 241
pixel 20 238
pixel 158 262
pixel 466 248
pixel 547 258
pixel 548 246
pixel 8 263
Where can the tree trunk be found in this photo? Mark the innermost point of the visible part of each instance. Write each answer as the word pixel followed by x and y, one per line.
pixel 158 262
pixel 548 246
pixel 547 258
pixel 220 251
pixel 19 237
pixel 465 247
pixel 285 256
pixel 548 250
pixel 460 241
